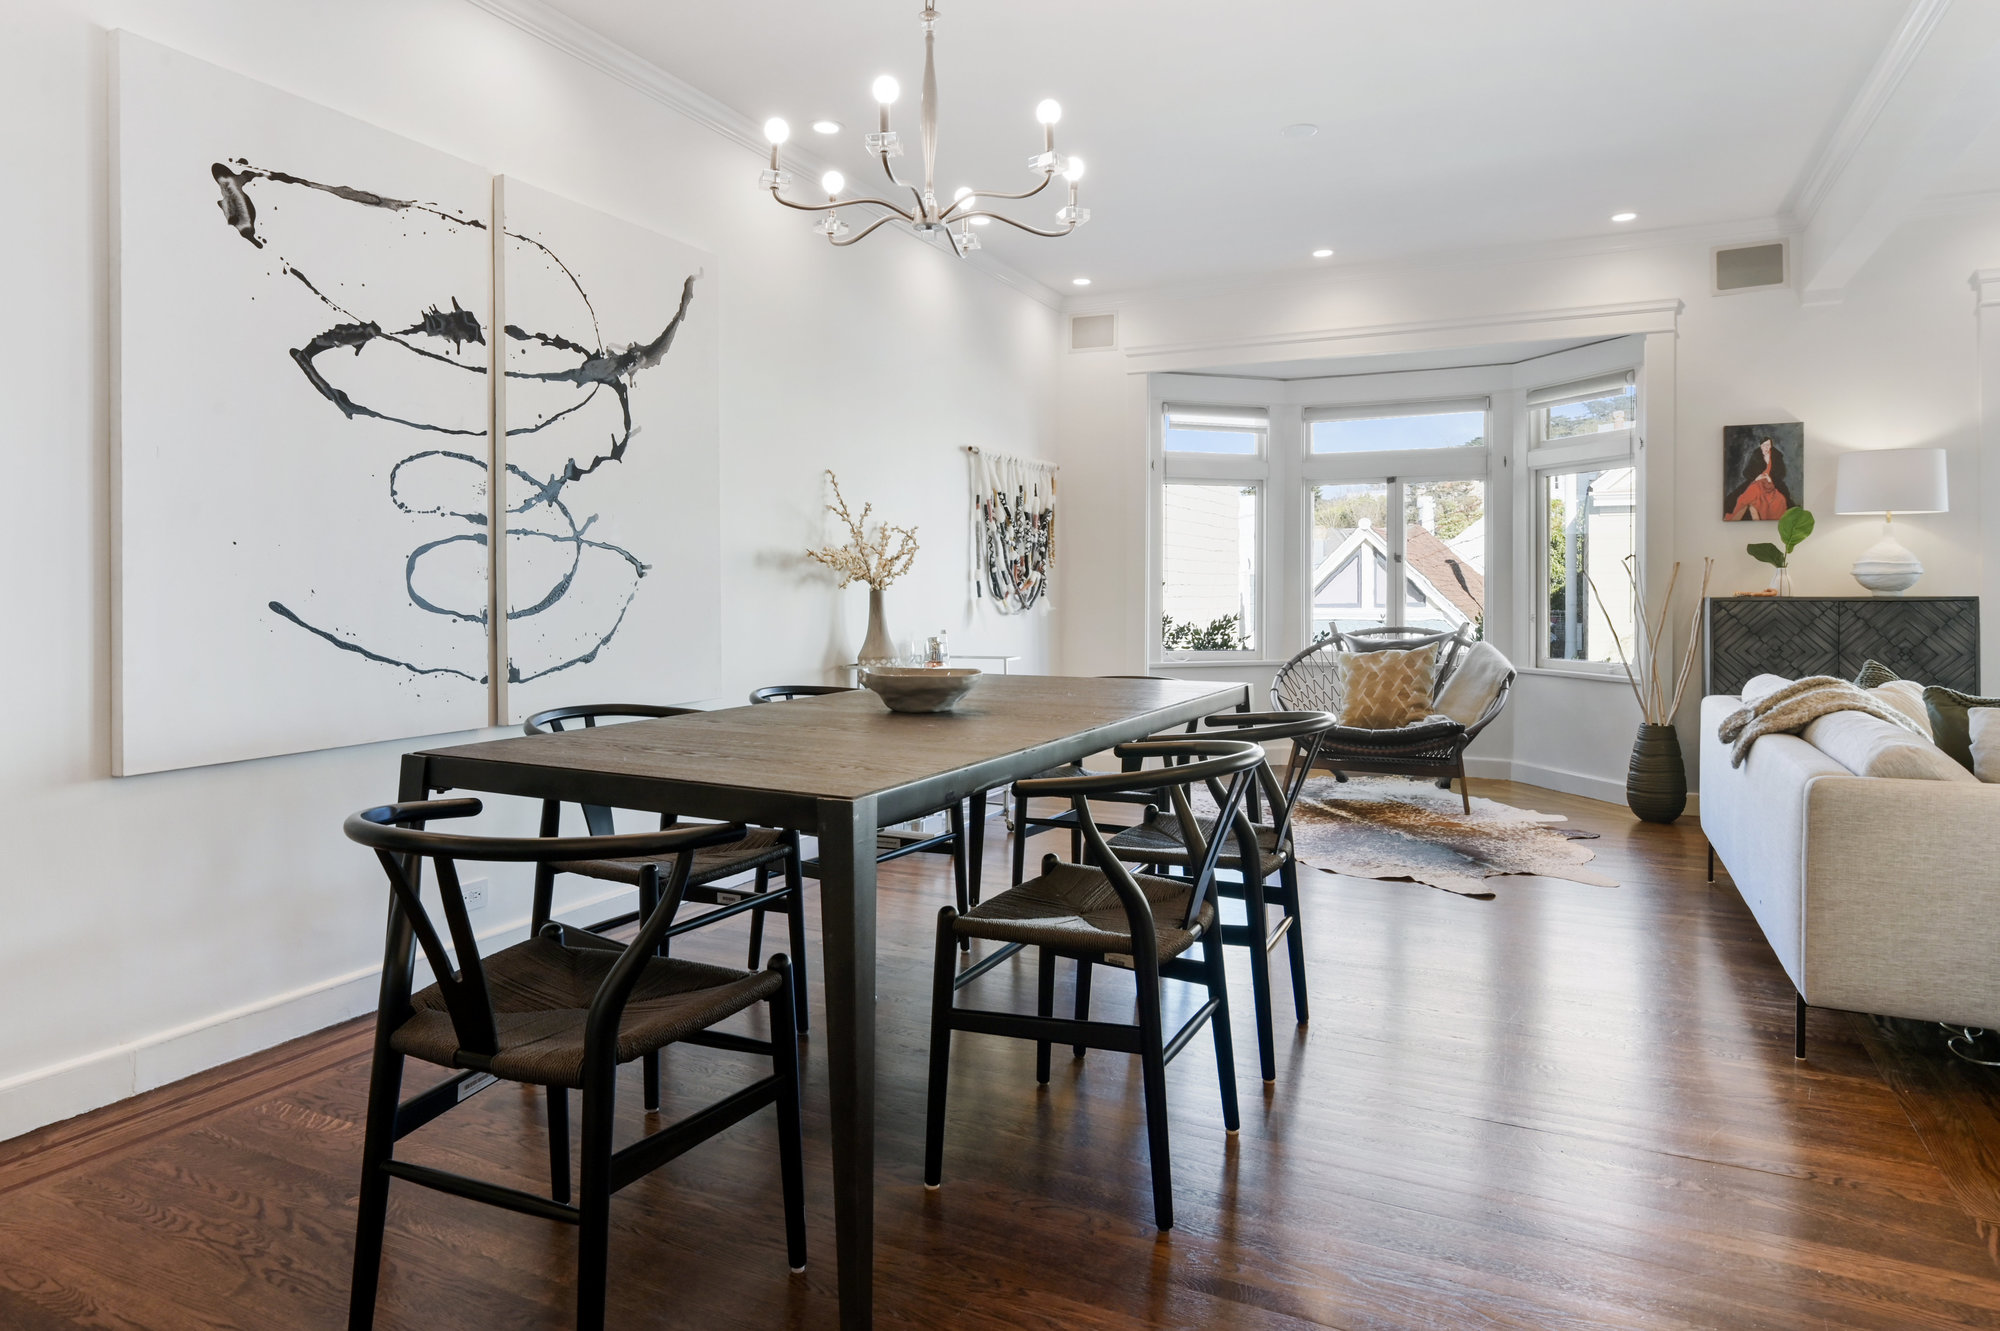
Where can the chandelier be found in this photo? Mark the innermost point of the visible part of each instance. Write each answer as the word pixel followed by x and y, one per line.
pixel 925 214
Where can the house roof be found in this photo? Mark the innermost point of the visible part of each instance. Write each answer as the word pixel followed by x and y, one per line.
pixel 1460 583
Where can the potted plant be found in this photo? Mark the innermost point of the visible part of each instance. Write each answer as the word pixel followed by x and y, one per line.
pixel 1656 786
pixel 877 560
pixel 1793 528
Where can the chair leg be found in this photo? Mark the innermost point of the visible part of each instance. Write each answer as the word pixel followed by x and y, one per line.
pixel 1295 937
pixel 1020 838
pixel 559 1143
pixel 977 834
pixel 651 1072
pixel 1225 1041
pixel 757 920
pixel 1045 1006
pixel 385 1086
pixel 650 1065
pixel 791 1133
pixel 941 1000
pixel 1260 972
pixel 1076 843
pixel 1083 969
pixel 593 1248
pixel 960 861
pixel 1153 1066
pixel 795 917
pixel 1464 786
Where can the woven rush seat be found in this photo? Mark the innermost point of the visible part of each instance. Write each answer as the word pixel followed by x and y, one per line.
pixel 1159 841
pixel 760 845
pixel 1075 909
pixel 543 990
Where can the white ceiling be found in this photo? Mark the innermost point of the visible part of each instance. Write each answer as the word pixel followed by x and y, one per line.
pixel 1444 124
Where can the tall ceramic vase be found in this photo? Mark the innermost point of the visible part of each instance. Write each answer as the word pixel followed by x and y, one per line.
pixel 1656 785
pixel 876 648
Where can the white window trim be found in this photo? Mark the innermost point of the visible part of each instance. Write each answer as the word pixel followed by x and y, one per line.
pixel 1571 454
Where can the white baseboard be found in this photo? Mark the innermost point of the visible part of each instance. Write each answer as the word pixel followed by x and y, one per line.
pixel 1608 789
pixel 57 1091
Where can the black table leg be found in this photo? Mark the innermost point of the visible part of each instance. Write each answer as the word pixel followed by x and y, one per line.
pixel 847 916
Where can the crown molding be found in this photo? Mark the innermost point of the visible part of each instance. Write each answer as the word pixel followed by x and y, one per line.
pixel 591 47
pixel 1870 100
pixel 1611 320
pixel 1703 234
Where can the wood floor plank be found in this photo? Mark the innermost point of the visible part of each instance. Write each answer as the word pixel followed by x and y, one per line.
pixel 1569 1107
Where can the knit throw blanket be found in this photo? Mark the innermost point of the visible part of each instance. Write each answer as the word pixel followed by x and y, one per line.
pixel 1789 710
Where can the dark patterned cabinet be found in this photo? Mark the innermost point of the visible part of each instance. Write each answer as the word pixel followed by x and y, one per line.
pixel 1932 639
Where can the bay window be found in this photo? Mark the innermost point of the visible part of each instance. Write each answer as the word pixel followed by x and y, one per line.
pixel 1586 506
pixel 1214 461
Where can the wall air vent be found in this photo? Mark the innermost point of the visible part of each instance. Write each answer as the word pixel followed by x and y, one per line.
pixel 1093 332
pixel 1750 267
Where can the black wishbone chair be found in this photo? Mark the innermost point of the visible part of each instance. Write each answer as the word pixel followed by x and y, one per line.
pixel 1097 912
pixel 1157 842
pixel 967 853
pixel 563 1009
pixel 761 850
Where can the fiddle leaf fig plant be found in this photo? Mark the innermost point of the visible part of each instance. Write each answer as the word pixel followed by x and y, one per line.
pixel 1793 528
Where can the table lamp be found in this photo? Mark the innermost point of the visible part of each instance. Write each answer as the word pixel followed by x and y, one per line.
pixel 1891 481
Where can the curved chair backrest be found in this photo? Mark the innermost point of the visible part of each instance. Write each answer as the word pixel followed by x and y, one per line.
pixel 786 692
pixel 461 980
pixel 1305 682
pixel 1184 761
pixel 555 720
pixel 1305 731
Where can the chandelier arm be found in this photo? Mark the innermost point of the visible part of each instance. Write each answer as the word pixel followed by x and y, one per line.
pixel 981 196
pixel 866 229
pixel 916 193
pixel 841 203
pixel 1023 226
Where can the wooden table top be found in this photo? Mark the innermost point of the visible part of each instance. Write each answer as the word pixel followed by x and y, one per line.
pixel 847 746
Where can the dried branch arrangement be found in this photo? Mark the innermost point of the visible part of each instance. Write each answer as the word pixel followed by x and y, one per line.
pixel 878 560
pixel 1659 695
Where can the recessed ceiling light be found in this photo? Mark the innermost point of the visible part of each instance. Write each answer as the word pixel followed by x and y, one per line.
pixel 826 127
pixel 1079 281
pixel 1322 254
pixel 1302 130
pixel 1624 217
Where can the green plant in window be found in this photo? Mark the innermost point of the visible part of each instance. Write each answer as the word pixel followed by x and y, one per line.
pixel 1793 528
pixel 1218 635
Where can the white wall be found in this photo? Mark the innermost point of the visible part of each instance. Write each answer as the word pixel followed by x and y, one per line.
pixel 161 924
pixel 1894 365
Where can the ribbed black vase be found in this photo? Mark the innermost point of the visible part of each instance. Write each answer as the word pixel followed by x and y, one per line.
pixel 1656 787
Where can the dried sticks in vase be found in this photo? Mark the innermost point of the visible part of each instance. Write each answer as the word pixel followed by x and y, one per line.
pixel 1659 695
pixel 870 559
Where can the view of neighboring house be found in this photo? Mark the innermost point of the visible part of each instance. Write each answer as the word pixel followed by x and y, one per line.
pixel 1443 586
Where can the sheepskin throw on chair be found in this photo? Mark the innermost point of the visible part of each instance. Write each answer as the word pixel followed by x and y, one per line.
pixel 1013 529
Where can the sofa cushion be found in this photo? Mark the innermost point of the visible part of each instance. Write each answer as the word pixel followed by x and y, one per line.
pixel 1474 684
pixel 1873 675
pixel 1982 725
pixel 1388 688
pixel 1869 746
pixel 1758 686
pixel 1892 690
pixel 1950 726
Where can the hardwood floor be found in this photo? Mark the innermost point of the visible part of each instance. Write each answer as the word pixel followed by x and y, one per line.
pixel 1567 1107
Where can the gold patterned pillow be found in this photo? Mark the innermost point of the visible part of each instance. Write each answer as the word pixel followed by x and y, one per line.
pixel 1389 689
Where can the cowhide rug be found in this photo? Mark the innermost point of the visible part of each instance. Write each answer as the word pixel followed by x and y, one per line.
pixel 1410 831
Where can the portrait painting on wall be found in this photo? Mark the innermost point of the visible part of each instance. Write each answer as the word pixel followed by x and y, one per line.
pixel 1763 470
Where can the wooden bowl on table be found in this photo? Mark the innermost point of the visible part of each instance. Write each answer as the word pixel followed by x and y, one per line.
pixel 918 688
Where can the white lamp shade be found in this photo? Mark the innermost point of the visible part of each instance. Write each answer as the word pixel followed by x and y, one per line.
pixel 1892 480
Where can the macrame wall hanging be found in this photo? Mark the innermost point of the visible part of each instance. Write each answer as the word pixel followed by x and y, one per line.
pixel 1013 529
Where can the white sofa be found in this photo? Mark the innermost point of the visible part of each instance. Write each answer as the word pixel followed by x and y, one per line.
pixel 1878 895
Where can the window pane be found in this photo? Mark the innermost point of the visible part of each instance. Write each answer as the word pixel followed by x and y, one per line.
pixel 1181 439
pixel 1350 548
pixel 1613 411
pixel 1444 544
pixel 1591 529
pixel 1458 429
pixel 1208 557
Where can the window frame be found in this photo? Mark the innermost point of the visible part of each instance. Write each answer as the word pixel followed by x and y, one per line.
pixel 1568 455
pixel 1242 470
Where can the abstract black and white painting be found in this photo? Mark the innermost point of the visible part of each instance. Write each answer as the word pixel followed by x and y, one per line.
pixel 612 486
pixel 302 423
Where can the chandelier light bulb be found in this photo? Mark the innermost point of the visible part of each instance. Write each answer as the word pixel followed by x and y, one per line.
pixel 886 89
pixel 1073 170
pixel 962 193
pixel 833 183
pixel 777 131
pixel 1049 111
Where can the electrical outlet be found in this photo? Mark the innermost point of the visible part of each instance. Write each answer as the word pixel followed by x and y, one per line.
pixel 475 894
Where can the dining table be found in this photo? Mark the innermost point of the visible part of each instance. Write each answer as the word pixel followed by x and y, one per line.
pixel 837 767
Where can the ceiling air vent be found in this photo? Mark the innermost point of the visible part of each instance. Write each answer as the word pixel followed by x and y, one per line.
pixel 1093 332
pixel 1748 267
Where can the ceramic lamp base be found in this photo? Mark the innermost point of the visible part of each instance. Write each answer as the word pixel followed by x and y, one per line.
pixel 1887 567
